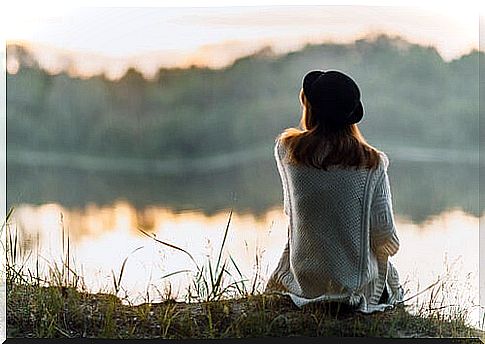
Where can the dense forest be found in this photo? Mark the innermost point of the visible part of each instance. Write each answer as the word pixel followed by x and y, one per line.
pixel 412 97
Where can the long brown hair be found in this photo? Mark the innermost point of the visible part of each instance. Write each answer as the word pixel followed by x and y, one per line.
pixel 321 145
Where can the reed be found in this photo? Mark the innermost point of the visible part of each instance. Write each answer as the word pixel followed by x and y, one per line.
pixel 221 303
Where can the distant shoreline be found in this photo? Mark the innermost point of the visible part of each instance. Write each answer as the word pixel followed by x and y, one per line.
pixel 212 163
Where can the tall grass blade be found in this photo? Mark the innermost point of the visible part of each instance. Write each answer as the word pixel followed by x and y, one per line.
pixel 9 214
pixel 170 245
pixel 63 243
pixel 242 291
pixel 256 276
pixel 422 291
pixel 235 285
pixel 224 240
pixel 37 259
pixel 236 267
pixel 218 282
pixel 68 258
pixel 117 283
pixel 212 279
pixel 174 273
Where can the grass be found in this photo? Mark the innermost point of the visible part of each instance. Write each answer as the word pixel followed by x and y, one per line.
pixel 64 312
pixel 221 303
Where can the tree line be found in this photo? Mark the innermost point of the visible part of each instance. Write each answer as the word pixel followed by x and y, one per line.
pixel 412 97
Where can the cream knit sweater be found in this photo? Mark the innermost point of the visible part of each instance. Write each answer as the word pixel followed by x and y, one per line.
pixel 341 233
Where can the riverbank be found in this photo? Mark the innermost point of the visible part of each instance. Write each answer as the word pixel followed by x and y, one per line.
pixel 211 164
pixel 34 311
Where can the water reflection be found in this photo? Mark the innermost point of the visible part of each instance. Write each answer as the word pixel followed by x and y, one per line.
pixel 102 237
pixel 420 189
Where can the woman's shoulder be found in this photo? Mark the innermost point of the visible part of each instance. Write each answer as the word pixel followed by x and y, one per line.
pixel 279 147
pixel 383 160
pixel 381 168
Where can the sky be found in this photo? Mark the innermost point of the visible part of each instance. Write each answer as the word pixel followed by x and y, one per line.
pixel 89 40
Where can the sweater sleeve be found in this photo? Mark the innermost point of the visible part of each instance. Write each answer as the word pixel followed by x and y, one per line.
pixel 282 173
pixel 384 239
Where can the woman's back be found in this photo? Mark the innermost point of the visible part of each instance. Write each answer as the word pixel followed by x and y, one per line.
pixel 336 194
pixel 329 211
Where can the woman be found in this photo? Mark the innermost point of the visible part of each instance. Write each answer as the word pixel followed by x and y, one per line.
pixel 336 194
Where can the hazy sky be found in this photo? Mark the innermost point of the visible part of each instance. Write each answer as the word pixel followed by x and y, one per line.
pixel 112 38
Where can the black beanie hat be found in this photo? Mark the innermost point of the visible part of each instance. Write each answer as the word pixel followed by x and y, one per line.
pixel 334 96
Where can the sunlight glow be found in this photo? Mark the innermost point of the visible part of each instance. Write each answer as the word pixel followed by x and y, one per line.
pixel 102 237
pixel 92 40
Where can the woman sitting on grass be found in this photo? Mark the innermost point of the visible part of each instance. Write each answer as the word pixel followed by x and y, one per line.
pixel 336 194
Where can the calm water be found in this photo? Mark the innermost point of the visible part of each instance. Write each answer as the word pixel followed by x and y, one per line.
pixel 102 237
pixel 420 189
pixel 436 206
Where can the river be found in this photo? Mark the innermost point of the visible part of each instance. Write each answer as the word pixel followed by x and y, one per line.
pixel 100 214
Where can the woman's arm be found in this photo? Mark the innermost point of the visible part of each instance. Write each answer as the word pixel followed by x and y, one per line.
pixel 383 236
pixel 284 182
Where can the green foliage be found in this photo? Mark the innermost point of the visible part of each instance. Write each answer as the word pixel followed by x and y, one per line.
pixel 410 95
